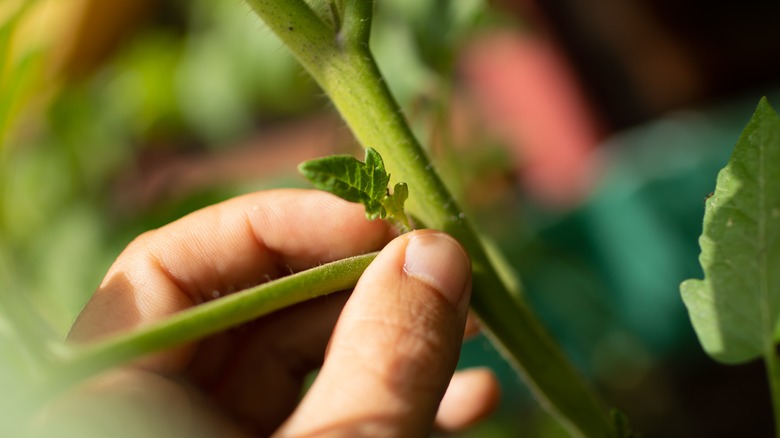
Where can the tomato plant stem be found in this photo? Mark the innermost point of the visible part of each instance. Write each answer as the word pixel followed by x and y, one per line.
pixel 341 62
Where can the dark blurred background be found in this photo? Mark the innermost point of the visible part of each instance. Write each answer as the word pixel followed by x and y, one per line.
pixel 582 137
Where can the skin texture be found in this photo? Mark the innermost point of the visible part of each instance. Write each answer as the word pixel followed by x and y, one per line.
pixel 387 350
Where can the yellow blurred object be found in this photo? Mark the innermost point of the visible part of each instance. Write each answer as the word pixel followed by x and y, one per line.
pixel 42 25
pixel 99 27
pixel 77 34
pixel 46 43
pixel 8 8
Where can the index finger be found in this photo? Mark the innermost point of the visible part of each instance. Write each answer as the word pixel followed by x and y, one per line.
pixel 222 248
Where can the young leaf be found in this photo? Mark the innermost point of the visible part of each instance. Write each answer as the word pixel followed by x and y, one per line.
pixel 394 206
pixel 347 177
pixel 364 182
pixel 735 308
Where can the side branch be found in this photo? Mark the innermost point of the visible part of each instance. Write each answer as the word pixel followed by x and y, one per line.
pixel 300 28
pixel 209 318
pixel 356 28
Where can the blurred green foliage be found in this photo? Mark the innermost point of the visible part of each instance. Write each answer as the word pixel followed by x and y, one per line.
pixel 205 79
pixel 210 84
pixel 604 277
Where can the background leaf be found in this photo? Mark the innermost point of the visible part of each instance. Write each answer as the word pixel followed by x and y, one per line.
pixel 735 308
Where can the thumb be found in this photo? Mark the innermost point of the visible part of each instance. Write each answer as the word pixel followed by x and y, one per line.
pixel 395 346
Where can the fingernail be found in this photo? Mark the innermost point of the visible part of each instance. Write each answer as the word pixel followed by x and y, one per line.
pixel 439 261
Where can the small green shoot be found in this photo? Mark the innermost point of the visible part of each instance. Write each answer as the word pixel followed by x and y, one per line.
pixel 364 182
pixel 735 309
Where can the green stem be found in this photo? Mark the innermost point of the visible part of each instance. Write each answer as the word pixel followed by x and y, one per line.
pixel 349 75
pixel 206 319
pixel 356 28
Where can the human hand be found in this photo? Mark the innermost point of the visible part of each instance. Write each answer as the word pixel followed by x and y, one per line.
pixel 386 367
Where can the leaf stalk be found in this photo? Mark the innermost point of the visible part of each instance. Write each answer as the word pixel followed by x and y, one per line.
pixel 209 318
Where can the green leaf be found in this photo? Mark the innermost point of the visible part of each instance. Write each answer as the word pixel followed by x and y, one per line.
pixel 363 182
pixel 735 308
pixel 394 206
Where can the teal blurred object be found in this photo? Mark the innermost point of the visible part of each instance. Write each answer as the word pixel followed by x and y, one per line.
pixel 605 277
pixel 636 238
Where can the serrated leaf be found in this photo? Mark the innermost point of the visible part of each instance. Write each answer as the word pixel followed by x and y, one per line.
pixel 364 182
pixel 376 164
pixel 735 308
pixel 347 177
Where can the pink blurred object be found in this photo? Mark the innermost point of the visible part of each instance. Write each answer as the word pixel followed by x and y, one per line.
pixel 528 96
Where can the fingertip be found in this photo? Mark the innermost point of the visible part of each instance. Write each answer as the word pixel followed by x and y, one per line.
pixel 472 326
pixel 472 395
pixel 438 260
